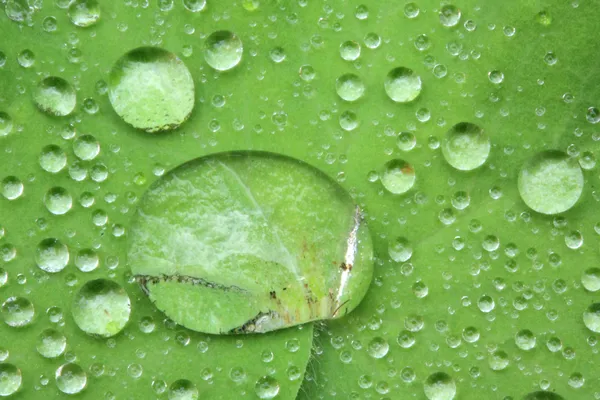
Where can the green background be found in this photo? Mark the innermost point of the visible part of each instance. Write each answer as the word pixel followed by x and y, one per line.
pixel 523 115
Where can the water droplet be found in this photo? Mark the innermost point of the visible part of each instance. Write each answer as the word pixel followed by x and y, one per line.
pixel 350 87
pixel 466 146
pixel 406 141
pixel 551 182
pixel 591 317
pixel 496 76
pixel 52 255
pixel 223 50
pixel 266 387
pixel 592 115
pixel 372 40
pixel 544 18
pixel 402 85
pixel 12 187
pixel 84 12
pixel 70 378
pixel 53 158
pixel 400 249
pixel 86 260
pixel 58 201
pixel 26 58
pixel 591 279
pixel 498 360
pixel 422 42
pixel 574 240
pixel 439 386
pixel 350 50
pixel 348 121
pixel 307 73
pixel 486 304
pixel 411 10
pixel 398 176
pixel 183 389
pixel 101 307
pixel 51 343
pixel 525 339
pixel 55 96
pixel 17 311
pixel 6 124
pixel 10 379
pixel 194 5
pixel 151 89
pixel 543 395
pixel 449 15
pixel 49 24
pixel 378 347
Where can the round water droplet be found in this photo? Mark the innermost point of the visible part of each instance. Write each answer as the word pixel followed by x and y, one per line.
pixel 58 201
pixel 543 395
pixel 466 146
pixel 349 87
pixel 400 249
pixel 84 12
pixel 591 279
pixel 101 307
pixel 194 5
pixel 402 85
pixel 86 260
pixel 591 317
pixel 593 115
pixel 406 141
pixel 350 50
pixel 266 387
pixel 86 147
pixel 6 124
pixel 486 304
pixel 372 40
pixel 227 226
pixel 551 182
pixel 10 379
pixel 52 255
pixel 307 73
pixel 17 311
pixel 70 378
pixel 525 339
pixel 348 121
pixel 277 54
pixel 51 343
pixel 574 240
pixel 183 389
pixel 398 176
pixel 439 386
pixel 498 360
pixel 449 15
pixel 53 158
pixel 12 187
pixel 496 77
pixel 223 50
pixel 151 89
pixel 378 347
pixel 26 58
pixel 55 96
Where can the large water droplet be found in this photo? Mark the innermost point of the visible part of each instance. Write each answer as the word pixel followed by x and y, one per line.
pixel 51 343
pixel 52 255
pixel 183 389
pixel 151 89
pixel 466 146
pixel 350 87
pixel 223 50
pixel 591 317
pixel 10 379
pixel 439 386
pixel 449 15
pixel 70 378
pixel 84 12
pixel 55 96
pixel 266 387
pixel 402 85
pixel 398 176
pixel 17 311
pixel 551 182
pixel 53 158
pixel 58 201
pixel 101 307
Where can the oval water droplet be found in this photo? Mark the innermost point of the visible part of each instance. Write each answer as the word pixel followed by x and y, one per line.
pixel 84 13
pixel 58 201
pixel 101 307
pixel 402 85
pixel 17 311
pixel 223 50
pixel 466 146
pixel 151 89
pixel 52 255
pixel 10 379
pixel 266 387
pixel 55 96
pixel 439 386
pixel 350 87
pixel 70 378
pixel 398 176
pixel 551 182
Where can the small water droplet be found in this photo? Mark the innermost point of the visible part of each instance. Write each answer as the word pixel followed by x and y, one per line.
pixel 53 158
pixel 398 176
pixel 466 146
pixel 58 201
pixel 17 311
pixel 10 379
pixel 84 13
pixel 51 343
pixel 12 187
pixel 411 10
pixel 498 360
pixel 223 50
pixel 194 5
pixel 266 387
pixel 400 249
pixel 350 87
pixel 183 389
pixel 6 124
pixel 402 85
pixel 350 50
pixel 26 58
pixel 52 255
pixel 449 15
pixel 525 339
pixel 55 96
pixel 70 378
pixel 591 317
pixel 439 386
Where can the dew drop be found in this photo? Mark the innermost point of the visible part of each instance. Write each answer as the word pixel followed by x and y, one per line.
pixel 400 249
pixel 402 85
pixel 26 58
pixel 378 347
pixel 466 146
pixel 10 379
pixel 551 182
pixel 398 176
pixel 349 87
pixel 348 121
pixel 439 386
pixel 194 5
pixel 411 10
pixel 55 96
pixel 574 240
pixel 86 260
pixel 70 378
pixel 266 387
pixel 17 311
pixel 406 141
pixel 53 159
pixel 277 54
pixel 591 279
pixel 486 303
pixel 496 76
pixel 223 50
pixel 101 307
pixel 591 317
pixel 498 360
pixel 6 124
pixel 350 50
pixel 51 343
pixel 84 13
pixel 58 201
pixel 52 255
pixel 151 89
pixel 12 187
pixel 525 339
pixel 450 15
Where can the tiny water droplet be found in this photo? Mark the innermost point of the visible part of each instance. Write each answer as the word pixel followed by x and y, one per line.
pixel 449 15
pixel 12 187
pixel 52 255
pixel 53 159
